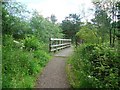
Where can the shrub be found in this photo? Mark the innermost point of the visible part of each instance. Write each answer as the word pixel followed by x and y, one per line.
pixel 20 67
pixel 31 43
pixel 95 66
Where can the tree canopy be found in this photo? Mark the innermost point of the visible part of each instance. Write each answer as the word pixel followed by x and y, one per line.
pixel 71 25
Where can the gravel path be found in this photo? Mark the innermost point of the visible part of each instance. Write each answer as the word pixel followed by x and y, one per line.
pixel 54 75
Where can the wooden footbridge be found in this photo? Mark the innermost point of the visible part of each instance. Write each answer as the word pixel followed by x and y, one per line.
pixel 57 44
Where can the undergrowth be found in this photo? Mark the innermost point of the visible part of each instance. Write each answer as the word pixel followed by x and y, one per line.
pixel 94 66
pixel 22 62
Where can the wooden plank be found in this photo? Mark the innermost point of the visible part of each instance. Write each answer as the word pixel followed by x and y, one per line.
pixel 53 50
pixel 57 39
pixel 58 44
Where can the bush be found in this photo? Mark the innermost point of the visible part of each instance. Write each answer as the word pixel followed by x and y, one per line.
pixel 95 66
pixel 20 67
pixel 31 43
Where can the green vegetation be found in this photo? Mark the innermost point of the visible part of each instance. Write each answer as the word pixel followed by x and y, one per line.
pixel 71 26
pixel 20 66
pixel 94 66
pixel 95 63
pixel 87 32
pixel 24 45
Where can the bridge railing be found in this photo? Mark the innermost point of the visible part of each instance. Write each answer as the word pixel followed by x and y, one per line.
pixel 56 44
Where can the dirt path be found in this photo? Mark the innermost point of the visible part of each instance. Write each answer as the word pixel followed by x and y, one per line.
pixel 54 75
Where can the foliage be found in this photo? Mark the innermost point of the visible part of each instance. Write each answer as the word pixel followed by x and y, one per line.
pixel 44 29
pixel 102 21
pixel 118 26
pixel 53 18
pixel 19 65
pixel 87 32
pixel 31 43
pixel 16 9
pixel 105 18
pixel 95 66
pixel 24 45
pixel 13 25
pixel 71 25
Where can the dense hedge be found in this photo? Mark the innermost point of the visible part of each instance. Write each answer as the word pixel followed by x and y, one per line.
pixel 94 66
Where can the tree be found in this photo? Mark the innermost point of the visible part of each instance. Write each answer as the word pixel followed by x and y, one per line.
pixel 101 20
pixel 109 7
pixel 118 28
pixel 88 33
pixel 71 25
pixel 12 23
pixel 53 18
pixel 43 28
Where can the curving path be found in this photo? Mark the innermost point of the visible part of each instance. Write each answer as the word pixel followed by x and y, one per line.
pixel 54 75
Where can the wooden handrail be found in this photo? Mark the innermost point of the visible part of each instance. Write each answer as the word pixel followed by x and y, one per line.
pixel 56 44
pixel 57 39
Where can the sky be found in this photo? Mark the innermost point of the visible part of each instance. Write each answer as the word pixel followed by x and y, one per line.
pixel 61 8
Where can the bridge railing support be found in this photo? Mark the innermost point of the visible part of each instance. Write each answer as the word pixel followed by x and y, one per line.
pixel 56 44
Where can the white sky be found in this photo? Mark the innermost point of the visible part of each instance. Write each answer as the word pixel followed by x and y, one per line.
pixel 60 8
